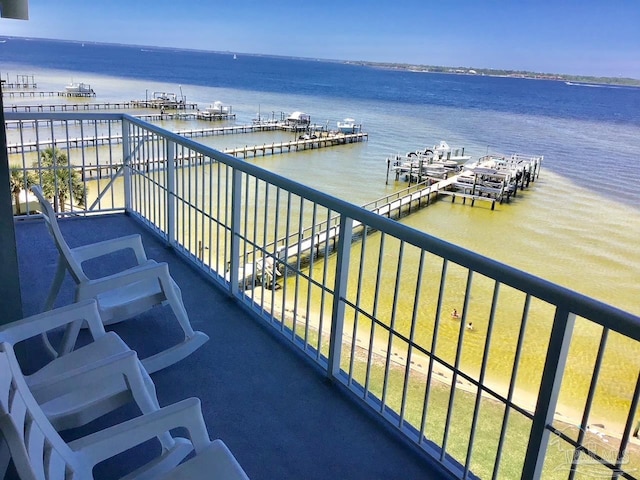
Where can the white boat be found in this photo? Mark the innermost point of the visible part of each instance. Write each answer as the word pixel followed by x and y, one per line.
pixel 78 88
pixel 218 108
pixel 348 125
pixel 443 151
pixel 299 118
pixel 164 97
pixel 298 121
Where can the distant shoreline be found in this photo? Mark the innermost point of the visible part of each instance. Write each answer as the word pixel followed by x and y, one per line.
pixel 487 72
pixel 581 79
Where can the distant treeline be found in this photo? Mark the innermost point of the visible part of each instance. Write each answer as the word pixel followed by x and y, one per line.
pixel 503 73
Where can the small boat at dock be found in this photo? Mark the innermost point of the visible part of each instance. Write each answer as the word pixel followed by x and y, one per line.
pixel 297 121
pixel 434 162
pixel 218 108
pixel 78 90
pixel 349 125
pixel 162 97
pixel 443 151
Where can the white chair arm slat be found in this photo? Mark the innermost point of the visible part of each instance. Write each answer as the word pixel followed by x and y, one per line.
pixel 105 247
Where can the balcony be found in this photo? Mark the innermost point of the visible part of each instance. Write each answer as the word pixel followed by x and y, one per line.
pixel 346 369
pixel 278 414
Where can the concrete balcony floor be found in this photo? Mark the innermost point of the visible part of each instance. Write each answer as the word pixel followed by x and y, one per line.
pixel 278 414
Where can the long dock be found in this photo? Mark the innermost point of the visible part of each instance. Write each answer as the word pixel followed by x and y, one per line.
pixel 281 147
pixel 394 206
pixel 198 159
pixel 70 107
pixel 41 93
pixel 323 141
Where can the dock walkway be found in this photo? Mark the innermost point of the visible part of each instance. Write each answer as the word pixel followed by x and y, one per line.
pixel 394 205
pixel 300 144
pixel 72 107
pixel 41 93
pixel 281 147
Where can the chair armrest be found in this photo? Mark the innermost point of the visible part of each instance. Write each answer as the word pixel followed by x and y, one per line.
pixel 84 376
pixel 29 327
pixel 111 441
pixel 149 270
pixel 95 250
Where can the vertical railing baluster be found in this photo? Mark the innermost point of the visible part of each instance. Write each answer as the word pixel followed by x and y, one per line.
pixel 171 189
pixel 624 442
pixel 512 385
pixel 356 316
pixel 324 291
pixel 550 384
pixel 126 159
pixel 456 366
pixel 434 345
pixel 392 330
pixel 236 211
pixel 593 385
pixel 483 371
pixel 412 332
pixel 339 292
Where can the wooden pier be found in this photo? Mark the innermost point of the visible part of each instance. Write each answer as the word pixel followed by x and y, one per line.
pixel 164 105
pixel 328 140
pixel 13 85
pixel 70 107
pixel 281 147
pixel 40 93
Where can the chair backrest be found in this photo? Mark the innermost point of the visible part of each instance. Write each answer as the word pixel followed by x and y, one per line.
pixel 37 450
pixel 51 220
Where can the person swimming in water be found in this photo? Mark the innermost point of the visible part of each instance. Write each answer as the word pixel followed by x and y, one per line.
pixel 454 314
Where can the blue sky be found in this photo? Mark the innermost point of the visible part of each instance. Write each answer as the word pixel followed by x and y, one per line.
pixel 590 37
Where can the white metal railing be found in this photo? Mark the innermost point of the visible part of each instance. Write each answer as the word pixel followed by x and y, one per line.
pixel 368 299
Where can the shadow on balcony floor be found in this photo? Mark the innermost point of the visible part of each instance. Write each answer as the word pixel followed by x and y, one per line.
pixel 280 417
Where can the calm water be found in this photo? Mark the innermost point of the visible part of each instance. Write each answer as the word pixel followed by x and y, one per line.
pixel 578 226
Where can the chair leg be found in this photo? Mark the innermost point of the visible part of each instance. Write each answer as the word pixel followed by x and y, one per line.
pixel 61 269
pixel 174 298
pixel 56 284
pixel 192 341
pixel 174 354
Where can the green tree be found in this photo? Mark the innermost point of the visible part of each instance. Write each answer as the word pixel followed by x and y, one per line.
pixel 60 181
pixel 19 180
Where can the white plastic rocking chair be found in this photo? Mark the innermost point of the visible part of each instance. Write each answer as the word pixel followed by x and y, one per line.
pixel 38 451
pixel 122 295
pixel 66 388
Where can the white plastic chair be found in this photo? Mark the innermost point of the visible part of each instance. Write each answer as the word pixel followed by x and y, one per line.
pixel 66 388
pixel 122 295
pixel 38 451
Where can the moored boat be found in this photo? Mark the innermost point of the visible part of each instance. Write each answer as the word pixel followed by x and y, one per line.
pixel 348 125
pixel 218 108
pixel 298 121
pixel 443 152
pixel 78 88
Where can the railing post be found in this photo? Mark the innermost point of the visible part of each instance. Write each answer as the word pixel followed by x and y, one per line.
pixel 171 192
pixel 339 292
pixel 126 162
pixel 236 210
pixel 550 384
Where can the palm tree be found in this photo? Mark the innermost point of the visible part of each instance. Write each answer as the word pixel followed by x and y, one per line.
pixel 19 180
pixel 59 181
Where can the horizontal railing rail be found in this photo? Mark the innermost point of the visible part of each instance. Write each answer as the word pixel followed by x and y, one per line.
pixel 368 299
